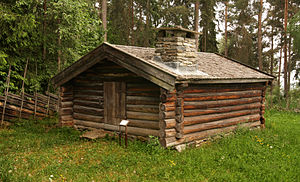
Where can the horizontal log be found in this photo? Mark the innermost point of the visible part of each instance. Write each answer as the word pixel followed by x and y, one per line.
pixel 66 104
pixel 66 94
pixel 149 94
pixel 143 108
pixel 213 132
pixel 168 106
pixel 219 103
pixel 220 123
pixel 94 104
pixel 222 88
pixel 142 116
pixel 131 130
pixel 87 87
pixel 136 100
pixel 168 97
pixel 221 96
pixel 88 110
pixel 88 92
pixel 89 98
pixel 88 117
pixel 167 133
pixel 26 105
pixel 144 84
pixel 52 96
pixel 42 98
pixel 143 89
pixel 86 83
pixel 66 99
pixel 66 111
pixel 66 118
pixel 170 123
pixel 213 117
pixel 165 142
pixel 143 124
pixel 221 109
pixel 15 111
pixel 167 115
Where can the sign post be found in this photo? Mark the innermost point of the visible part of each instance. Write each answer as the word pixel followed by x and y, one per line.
pixel 123 123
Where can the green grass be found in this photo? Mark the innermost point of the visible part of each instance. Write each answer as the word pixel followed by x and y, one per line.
pixel 29 153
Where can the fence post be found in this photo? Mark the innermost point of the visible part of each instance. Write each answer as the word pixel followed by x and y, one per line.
pixel 6 93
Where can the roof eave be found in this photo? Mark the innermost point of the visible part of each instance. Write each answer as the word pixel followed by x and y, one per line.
pixel 223 81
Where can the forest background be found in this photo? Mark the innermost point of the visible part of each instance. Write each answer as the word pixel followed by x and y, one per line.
pixel 39 38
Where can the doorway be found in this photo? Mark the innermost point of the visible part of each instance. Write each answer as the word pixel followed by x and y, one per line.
pixel 114 102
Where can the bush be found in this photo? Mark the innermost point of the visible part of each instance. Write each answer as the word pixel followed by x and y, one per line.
pixel 276 99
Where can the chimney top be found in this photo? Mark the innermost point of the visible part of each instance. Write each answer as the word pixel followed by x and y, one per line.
pixel 176 46
pixel 176 31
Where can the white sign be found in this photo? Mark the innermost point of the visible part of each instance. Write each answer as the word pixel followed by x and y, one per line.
pixel 124 123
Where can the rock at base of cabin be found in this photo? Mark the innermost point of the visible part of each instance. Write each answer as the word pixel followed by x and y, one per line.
pixel 94 134
pixel 180 148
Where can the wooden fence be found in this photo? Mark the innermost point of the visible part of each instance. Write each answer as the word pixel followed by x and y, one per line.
pixel 29 106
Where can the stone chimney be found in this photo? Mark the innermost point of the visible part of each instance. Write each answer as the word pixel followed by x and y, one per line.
pixel 176 47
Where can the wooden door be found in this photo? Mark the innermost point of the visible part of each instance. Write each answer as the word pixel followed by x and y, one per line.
pixel 114 102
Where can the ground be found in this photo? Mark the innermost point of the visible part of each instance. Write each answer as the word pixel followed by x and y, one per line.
pixel 31 151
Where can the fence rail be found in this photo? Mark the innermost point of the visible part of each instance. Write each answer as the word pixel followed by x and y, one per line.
pixel 29 106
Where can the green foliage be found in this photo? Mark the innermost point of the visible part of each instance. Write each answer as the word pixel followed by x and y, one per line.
pixel 35 151
pixel 277 101
pixel 207 40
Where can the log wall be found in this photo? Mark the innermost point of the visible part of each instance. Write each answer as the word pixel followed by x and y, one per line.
pixel 141 103
pixel 206 110
pixel 168 118
pixel 66 105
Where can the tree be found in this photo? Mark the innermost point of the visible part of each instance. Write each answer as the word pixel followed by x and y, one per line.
pixel 196 22
pixel 208 41
pixel 285 50
pixel 104 15
pixel 259 42
pixel 226 26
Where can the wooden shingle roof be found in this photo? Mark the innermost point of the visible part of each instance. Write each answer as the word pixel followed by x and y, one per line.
pixel 210 67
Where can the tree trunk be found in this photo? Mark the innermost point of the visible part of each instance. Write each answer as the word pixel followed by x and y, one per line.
pixel 196 23
pixel 289 74
pixel 260 37
pixel 104 22
pixel 279 68
pixel 147 24
pixel 59 48
pixel 272 63
pixel 44 30
pixel 226 11
pixel 132 22
pixel 285 51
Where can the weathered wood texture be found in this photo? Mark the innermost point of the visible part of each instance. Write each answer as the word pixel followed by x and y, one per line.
pixel 211 109
pixel 167 117
pixel 142 104
pixel 66 105
pixel 107 93
pixel 14 106
pixel 221 103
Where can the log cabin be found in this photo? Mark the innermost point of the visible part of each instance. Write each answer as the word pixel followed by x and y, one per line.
pixel 171 91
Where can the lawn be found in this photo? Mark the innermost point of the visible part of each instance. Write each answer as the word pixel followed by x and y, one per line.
pixel 29 151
